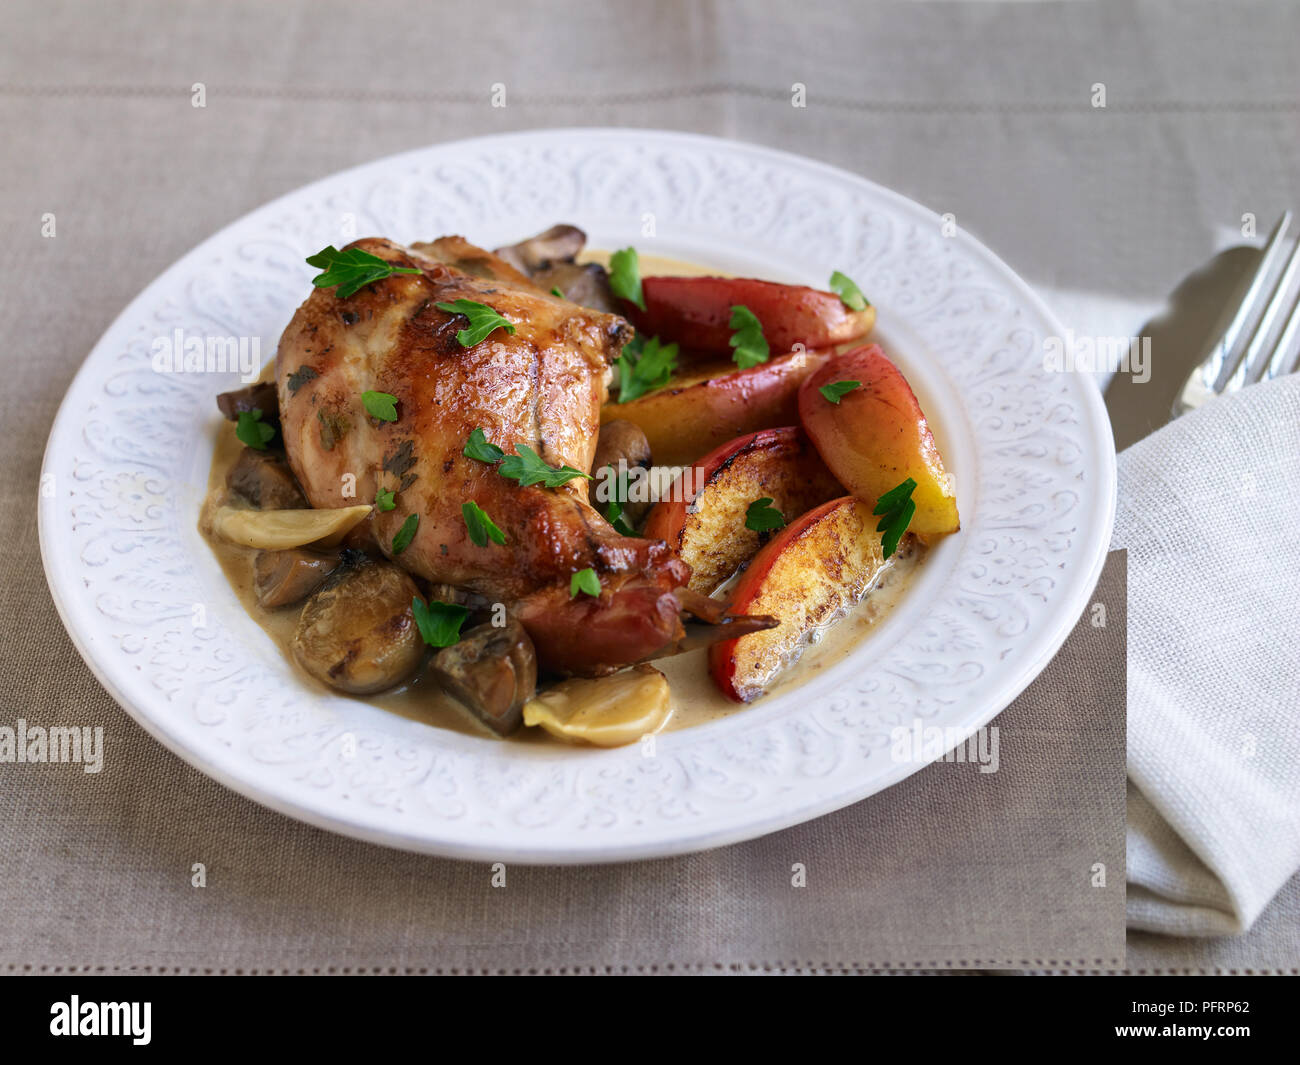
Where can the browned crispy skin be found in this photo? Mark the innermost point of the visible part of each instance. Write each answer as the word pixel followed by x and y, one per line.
pixel 542 387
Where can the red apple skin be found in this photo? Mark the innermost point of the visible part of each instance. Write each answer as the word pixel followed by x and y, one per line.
pixel 696 313
pixel 808 573
pixel 708 406
pixel 877 436
pixel 704 521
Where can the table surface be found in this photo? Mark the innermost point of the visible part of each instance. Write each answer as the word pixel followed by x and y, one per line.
pixel 983 110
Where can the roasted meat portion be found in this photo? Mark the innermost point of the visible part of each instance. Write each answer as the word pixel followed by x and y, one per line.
pixel 540 387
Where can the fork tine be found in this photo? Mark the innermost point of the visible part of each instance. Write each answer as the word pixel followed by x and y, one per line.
pixel 1232 346
pixel 1287 351
pixel 1257 355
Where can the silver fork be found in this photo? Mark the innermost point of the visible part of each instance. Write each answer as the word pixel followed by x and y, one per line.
pixel 1239 357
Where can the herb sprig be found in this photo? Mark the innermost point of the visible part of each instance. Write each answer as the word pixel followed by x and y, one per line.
pixel 836 390
pixel 896 507
pixel 586 581
pixel 251 430
pixel 644 365
pixel 439 623
pixel 351 270
pixel 625 277
pixel 482 321
pixel 481 527
pixel 762 517
pixel 747 338
pixel 380 405
pixel 849 293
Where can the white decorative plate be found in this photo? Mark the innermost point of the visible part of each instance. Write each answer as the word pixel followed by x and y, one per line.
pixel 149 609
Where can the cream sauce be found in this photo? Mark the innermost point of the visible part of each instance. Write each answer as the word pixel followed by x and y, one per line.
pixel 695 699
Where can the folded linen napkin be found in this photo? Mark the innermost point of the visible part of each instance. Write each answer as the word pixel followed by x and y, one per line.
pixel 1209 510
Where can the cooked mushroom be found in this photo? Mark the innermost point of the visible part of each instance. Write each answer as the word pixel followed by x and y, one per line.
pixel 584 283
pixel 265 480
pixel 605 711
pixel 492 671
pixel 284 577
pixel 626 441
pixel 258 396
pixel 358 632
pixel 277 530
pixel 558 244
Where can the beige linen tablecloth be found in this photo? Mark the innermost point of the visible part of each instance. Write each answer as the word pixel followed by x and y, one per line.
pixel 981 110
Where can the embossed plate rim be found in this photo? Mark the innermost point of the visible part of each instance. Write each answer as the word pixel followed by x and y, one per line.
pixel 791 802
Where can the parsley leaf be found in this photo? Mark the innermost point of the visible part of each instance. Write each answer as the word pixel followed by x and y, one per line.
pixel 643 366
pixel 897 506
pixel 837 389
pixel 762 517
pixel 625 276
pixel 481 527
pixel 555 291
pixel 406 533
pixel 439 623
pixel 748 340
pixel 527 467
pixel 614 508
pixel 380 405
pixel 585 580
pixel 482 320
pixel 251 431
pixel 351 270
pixel 849 293
pixel 384 500
pixel 478 448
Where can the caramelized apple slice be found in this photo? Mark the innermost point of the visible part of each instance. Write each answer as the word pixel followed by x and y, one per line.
pixel 876 437
pixel 701 410
pixel 812 572
pixel 704 520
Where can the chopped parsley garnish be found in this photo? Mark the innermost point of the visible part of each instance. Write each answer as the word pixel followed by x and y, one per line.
pixel 480 449
pixel 406 533
pixel 300 377
pixel 482 320
pixel 614 508
pixel 762 517
pixel 834 391
pixel 384 500
pixel 251 430
pixel 555 291
pixel 380 405
pixel 439 623
pixel 897 508
pixel 585 580
pixel 351 270
pixel 747 338
pixel 625 276
pixel 644 365
pixel 527 467
pixel 849 293
pixel 481 527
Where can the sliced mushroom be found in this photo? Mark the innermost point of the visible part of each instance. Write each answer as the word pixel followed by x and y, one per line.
pixel 492 671
pixel 558 244
pixel 278 530
pixel 284 577
pixel 258 396
pixel 358 632
pixel 622 440
pixel 265 480
pixel 604 711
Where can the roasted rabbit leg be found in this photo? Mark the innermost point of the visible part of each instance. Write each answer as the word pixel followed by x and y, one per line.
pixel 540 387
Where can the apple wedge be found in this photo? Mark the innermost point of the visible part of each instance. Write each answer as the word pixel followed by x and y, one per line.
pixel 810 573
pixel 704 521
pixel 699 411
pixel 876 436
pixel 696 313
